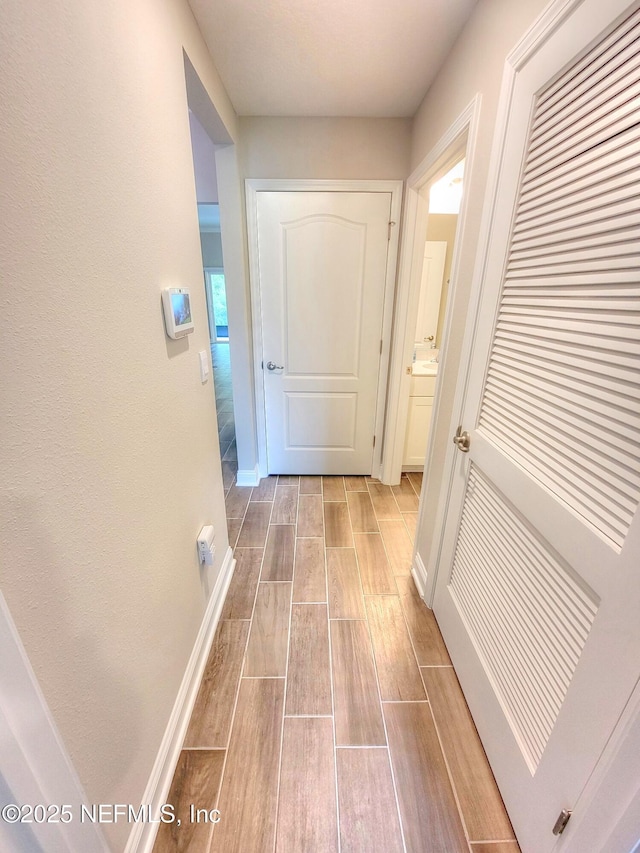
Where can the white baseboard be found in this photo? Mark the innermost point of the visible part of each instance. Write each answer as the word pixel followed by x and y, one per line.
pixel 419 574
pixel 143 835
pixel 248 477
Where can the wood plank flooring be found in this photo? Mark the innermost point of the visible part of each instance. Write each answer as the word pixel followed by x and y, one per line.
pixel 329 718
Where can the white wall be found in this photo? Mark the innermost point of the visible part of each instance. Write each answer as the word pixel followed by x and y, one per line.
pixel 211 246
pixel 325 148
pixel 204 163
pixel 109 454
pixel 474 65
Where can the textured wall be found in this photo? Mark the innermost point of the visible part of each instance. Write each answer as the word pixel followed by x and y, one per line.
pixel 109 455
pixel 204 163
pixel 325 148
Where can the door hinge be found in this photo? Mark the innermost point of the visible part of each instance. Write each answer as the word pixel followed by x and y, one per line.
pixel 374 441
pixel 380 347
pixel 391 224
pixel 561 824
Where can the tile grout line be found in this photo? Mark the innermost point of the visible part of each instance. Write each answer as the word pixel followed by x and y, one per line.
pixel 448 768
pixel 263 677
pixel 384 722
pixel 286 669
pixel 388 748
pixel 333 701
pixel 244 660
pixel 433 717
pixel 233 719
pixel 355 552
pixel 384 544
pixel 244 514
pixel 308 717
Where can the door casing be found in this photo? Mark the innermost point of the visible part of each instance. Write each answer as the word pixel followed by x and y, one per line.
pixel 253 187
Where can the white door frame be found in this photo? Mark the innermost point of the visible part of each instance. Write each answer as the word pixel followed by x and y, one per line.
pixel 459 141
pixel 34 765
pixel 253 187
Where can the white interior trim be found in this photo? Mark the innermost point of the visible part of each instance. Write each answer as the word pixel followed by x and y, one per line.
pixel 458 141
pixel 419 574
pixel 143 835
pixel 35 767
pixel 248 478
pixel 253 187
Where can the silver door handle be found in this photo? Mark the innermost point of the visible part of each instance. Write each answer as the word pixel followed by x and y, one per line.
pixel 462 440
pixel 271 365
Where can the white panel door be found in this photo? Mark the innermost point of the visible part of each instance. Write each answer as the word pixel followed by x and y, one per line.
pixel 538 591
pixel 322 269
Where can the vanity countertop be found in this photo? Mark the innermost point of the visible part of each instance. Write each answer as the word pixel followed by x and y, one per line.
pixel 425 368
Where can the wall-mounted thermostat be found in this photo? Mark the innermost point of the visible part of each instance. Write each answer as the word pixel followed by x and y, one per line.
pixel 176 304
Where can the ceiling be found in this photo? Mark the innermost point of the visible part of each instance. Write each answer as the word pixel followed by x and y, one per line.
pixel 373 58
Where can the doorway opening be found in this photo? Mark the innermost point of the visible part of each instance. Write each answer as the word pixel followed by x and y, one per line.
pixel 204 165
pixel 444 199
pixel 215 291
pixel 216 304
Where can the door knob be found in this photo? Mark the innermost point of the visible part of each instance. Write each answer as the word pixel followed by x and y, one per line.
pixel 271 365
pixel 462 440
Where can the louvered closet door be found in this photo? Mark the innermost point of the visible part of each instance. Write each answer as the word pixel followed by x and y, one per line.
pixel 538 591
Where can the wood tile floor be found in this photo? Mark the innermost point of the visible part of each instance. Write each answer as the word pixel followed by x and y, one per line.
pixel 329 719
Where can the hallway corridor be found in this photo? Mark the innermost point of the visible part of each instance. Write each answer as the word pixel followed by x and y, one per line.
pixel 329 717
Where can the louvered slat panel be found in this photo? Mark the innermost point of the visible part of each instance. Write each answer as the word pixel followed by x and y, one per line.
pixel 599 194
pixel 600 233
pixel 623 203
pixel 600 171
pixel 576 73
pixel 611 67
pixel 564 426
pixel 595 133
pixel 528 616
pixel 613 153
pixel 548 255
pixel 536 352
pixel 575 110
pixel 592 467
pixel 574 338
pixel 571 414
pixel 564 267
pixel 542 373
pixel 562 393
